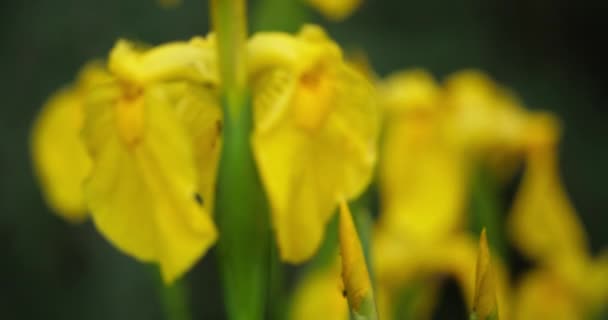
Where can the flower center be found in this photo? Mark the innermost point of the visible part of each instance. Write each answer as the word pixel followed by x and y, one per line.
pixel 313 98
pixel 130 116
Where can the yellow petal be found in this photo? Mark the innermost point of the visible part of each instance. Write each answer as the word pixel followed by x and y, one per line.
pixel 543 223
pixel 335 9
pixel 484 302
pixel 541 295
pixel 199 110
pixel 311 149
pixel 484 116
pixel 143 190
pixel 59 155
pixel 354 269
pixel 298 54
pixel 319 296
pixel 413 90
pixel 193 61
pixel 423 179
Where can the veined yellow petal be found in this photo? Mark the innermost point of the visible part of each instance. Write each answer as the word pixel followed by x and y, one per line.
pixel 315 132
pixel 193 61
pixel 149 133
pixel 59 155
pixel 300 53
pixel 143 196
pixel 199 110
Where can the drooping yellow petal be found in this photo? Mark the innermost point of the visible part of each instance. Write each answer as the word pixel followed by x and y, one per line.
pixel 144 188
pixel 484 301
pixel 199 110
pixel 59 156
pixel 423 180
pixel 319 296
pixel 192 61
pixel 409 91
pixel 423 176
pixel 335 9
pixel 543 223
pixel 355 274
pixel 315 132
pixel 541 295
pixel 398 262
pixel 485 119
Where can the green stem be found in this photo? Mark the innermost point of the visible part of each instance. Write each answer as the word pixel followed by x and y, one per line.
pixel 242 218
pixel 486 210
pixel 230 25
pixel 174 297
pixel 242 213
pixel 364 224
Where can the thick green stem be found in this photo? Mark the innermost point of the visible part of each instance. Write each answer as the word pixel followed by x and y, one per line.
pixel 230 26
pixel 242 213
pixel 242 217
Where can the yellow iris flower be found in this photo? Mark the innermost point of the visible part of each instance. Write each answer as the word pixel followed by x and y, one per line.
pixel 335 9
pixel 568 282
pixel 59 155
pixel 424 180
pixel 422 175
pixel 315 131
pixel 149 131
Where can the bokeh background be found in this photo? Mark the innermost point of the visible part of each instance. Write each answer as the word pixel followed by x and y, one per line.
pixel 551 52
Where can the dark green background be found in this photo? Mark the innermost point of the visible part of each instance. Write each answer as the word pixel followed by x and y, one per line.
pixel 550 52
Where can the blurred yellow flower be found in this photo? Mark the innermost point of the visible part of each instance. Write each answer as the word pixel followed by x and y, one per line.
pixel 486 121
pixel 486 117
pixel 335 9
pixel 144 188
pixel 59 155
pixel 424 181
pixel 422 175
pixel 542 201
pixel 315 132
pixel 545 227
